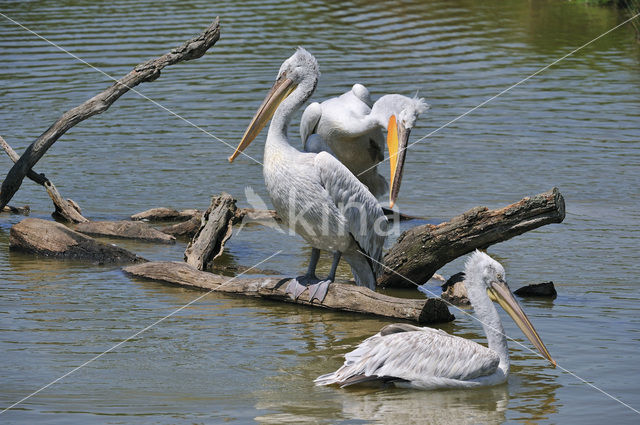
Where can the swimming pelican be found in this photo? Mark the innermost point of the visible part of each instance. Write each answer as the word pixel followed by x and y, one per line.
pixel 426 358
pixel 351 128
pixel 313 193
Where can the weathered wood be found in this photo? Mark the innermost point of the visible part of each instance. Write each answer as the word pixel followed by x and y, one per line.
pixel 422 250
pixel 25 210
pixel 51 239
pixel 166 214
pixel 65 209
pixel 342 297
pixel 185 229
pixel 125 230
pixel 252 214
pixel 148 71
pixel 454 290
pixel 215 229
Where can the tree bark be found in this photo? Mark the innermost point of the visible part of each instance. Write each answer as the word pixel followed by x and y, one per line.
pixel 215 229
pixel 422 250
pixel 343 297
pixel 147 71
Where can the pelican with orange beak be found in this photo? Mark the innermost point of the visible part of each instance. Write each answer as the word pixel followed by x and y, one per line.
pixel 352 128
pixel 426 358
pixel 313 193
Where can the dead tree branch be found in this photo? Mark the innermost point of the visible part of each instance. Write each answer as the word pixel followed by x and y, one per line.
pixel 65 209
pixel 148 71
pixel 422 250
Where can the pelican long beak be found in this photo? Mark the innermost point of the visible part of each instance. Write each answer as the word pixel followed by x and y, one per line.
pixel 282 88
pixel 397 141
pixel 500 293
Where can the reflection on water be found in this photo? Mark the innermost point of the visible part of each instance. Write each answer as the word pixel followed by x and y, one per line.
pixel 486 406
pixel 232 359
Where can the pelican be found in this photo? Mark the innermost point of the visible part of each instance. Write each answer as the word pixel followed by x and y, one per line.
pixel 351 128
pixel 313 193
pixel 425 358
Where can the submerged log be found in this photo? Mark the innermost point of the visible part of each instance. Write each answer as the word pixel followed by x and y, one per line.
pixel 126 230
pixel 422 250
pixel 16 210
pixel 51 239
pixel 342 297
pixel 215 229
pixel 544 289
pixel 148 71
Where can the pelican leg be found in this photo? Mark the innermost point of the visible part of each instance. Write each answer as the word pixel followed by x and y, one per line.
pixel 319 290
pixel 297 286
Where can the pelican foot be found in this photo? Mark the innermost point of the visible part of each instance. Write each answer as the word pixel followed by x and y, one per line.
pixel 298 285
pixel 318 291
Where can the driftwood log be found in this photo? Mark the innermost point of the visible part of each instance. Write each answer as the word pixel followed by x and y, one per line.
pixel 215 229
pixel 343 297
pixel 126 230
pixel 186 229
pixel 65 209
pixel 166 214
pixel 422 250
pixel 148 71
pixel 51 239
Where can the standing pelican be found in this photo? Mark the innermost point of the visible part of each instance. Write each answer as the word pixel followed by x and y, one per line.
pixel 349 127
pixel 313 193
pixel 425 358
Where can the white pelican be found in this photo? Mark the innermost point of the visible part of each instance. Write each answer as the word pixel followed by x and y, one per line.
pixel 426 358
pixel 349 127
pixel 313 193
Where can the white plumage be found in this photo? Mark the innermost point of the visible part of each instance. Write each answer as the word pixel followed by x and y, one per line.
pixel 314 193
pixel 353 129
pixel 425 358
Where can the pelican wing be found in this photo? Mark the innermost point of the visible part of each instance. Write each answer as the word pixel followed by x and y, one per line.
pixel 425 355
pixel 365 219
pixel 309 123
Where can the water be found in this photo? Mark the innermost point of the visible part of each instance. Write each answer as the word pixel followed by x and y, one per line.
pixel 229 359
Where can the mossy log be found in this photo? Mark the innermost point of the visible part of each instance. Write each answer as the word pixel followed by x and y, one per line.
pixel 341 296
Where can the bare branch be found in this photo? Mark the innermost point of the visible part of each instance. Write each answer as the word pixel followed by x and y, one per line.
pixel 147 71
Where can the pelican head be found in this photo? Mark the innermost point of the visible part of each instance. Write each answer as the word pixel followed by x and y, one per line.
pixel 486 277
pixel 301 69
pixel 399 127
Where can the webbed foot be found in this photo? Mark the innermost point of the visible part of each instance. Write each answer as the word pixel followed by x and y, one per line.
pixel 298 285
pixel 319 290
